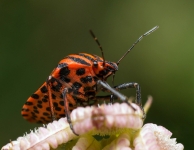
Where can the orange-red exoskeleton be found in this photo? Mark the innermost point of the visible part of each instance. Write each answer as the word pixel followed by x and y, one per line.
pixel 75 82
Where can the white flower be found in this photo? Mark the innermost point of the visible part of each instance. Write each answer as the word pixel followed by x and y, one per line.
pixel 119 128
pixel 153 137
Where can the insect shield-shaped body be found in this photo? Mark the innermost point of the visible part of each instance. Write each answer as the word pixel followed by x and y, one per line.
pixel 75 81
pixel 78 74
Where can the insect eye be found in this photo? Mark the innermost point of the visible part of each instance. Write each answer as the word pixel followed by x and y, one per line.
pixel 95 64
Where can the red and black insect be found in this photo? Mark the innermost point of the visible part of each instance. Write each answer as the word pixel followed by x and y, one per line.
pixel 75 82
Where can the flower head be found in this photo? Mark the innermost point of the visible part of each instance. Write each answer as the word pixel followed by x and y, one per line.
pixel 153 137
pixel 118 126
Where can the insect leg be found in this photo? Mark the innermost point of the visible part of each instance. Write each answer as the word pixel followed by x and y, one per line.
pixel 114 91
pixel 131 85
pixel 138 92
pixel 48 84
pixel 67 112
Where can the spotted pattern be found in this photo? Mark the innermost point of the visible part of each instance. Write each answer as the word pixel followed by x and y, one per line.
pixel 61 103
pixel 80 71
pixel 46 114
pixel 65 79
pixel 35 96
pixel 81 83
pixel 56 85
pixel 77 85
pixel 103 72
pixel 86 79
pixel 64 71
pixel 53 96
pixel 28 103
pixel 45 99
pixel 43 89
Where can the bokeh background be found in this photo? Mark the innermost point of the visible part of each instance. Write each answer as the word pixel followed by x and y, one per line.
pixel 35 35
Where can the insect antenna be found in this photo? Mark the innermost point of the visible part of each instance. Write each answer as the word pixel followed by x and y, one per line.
pixel 138 40
pixel 96 39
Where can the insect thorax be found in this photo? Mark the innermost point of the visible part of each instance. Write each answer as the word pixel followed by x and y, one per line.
pixel 80 73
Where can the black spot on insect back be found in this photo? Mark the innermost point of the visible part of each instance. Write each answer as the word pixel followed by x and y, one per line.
pixel 39 105
pixel 35 96
pixel 55 104
pixel 25 109
pixel 76 92
pixel 44 89
pixel 86 79
pixel 77 85
pixel 58 109
pixel 64 71
pixel 46 114
pixel 45 98
pixel 35 107
pixel 48 109
pixel 33 115
pixel 56 85
pixel 36 111
pixel 80 71
pixel 53 96
pixel 61 103
pixel 29 103
pixel 65 79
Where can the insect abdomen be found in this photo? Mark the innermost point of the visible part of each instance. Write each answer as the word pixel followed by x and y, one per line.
pixel 73 72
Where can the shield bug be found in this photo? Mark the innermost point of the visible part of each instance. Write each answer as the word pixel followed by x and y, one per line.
pixel 75 82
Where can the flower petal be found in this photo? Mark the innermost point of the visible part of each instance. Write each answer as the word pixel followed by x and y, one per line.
pixel 120 143
pixel 155 137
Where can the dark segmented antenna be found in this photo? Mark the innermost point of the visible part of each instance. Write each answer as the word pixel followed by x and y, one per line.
pixel 138 40
pixel 95 38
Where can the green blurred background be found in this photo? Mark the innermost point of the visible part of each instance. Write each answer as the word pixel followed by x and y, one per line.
pixel 35 35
